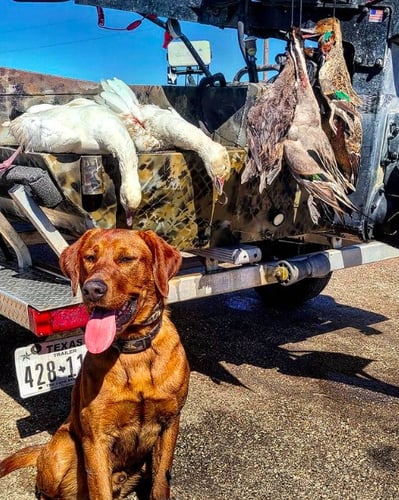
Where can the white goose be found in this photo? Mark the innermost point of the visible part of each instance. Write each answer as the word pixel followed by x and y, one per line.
pixel 152 128
pixel 84 127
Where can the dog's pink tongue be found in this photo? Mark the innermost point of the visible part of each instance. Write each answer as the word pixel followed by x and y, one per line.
pixel 100 331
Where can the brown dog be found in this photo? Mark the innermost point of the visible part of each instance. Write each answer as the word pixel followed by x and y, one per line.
pixel 121 432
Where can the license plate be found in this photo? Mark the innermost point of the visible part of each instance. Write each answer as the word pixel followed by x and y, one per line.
pixel 46 366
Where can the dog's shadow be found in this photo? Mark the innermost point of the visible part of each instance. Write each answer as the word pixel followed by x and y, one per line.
pixel 239 329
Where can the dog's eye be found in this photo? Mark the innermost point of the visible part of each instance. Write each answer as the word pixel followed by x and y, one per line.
pixel 90 258
pixel 125 259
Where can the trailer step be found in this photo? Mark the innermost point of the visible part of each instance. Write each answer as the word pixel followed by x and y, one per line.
pixel 243 254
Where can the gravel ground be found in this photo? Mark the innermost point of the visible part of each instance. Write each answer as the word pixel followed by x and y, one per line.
pixel 294 404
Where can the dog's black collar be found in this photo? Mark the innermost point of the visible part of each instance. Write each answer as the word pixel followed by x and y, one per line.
pixel 133 346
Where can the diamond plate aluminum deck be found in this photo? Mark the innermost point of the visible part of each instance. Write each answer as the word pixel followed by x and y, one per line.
pixel 22 288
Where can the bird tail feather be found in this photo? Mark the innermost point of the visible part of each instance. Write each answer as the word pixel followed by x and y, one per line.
pixel 114 101
pixel 120 97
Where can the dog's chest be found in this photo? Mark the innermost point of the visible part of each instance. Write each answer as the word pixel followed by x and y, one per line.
pixel 138 424
pixel 139 409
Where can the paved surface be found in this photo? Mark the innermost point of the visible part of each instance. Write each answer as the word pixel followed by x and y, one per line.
pixel 299 404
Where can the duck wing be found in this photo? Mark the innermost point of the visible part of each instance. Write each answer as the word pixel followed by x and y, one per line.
pixel 320 184
pixel 268 123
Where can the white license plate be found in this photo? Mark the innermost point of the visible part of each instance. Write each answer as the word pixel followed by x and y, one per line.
pixel 45 366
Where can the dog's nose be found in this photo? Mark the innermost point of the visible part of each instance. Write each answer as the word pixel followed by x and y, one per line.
pixel 94 290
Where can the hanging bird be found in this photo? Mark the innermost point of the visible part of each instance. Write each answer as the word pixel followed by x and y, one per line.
pixel 307 150
pixel 293 136
pixel 153 128
pixel 333 74
pixel 342 123
pixel 268 122
pixel 83 127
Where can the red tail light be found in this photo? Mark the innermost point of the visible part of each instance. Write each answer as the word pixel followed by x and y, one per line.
pixel 44 323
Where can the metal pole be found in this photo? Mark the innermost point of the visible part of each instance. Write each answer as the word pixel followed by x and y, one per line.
pixel 265 56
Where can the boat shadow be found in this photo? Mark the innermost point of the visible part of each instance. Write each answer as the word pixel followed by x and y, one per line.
pixel 251 333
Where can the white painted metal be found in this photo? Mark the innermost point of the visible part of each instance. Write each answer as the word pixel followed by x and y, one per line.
pixel 205 285
pixel 362 253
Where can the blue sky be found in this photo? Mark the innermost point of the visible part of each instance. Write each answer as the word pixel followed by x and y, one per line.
pixel 64 39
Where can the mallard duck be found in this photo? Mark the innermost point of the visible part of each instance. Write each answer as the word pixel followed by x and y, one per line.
pixel 334 76
pixel 342 123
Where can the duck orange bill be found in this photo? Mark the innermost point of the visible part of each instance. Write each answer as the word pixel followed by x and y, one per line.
pixel 100 331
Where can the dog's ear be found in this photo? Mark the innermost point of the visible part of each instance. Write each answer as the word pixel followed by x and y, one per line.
pixel 167 260
pixel 70 266
pixel 70 262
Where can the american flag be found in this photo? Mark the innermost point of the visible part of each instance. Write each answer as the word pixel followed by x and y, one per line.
pixel 376 15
